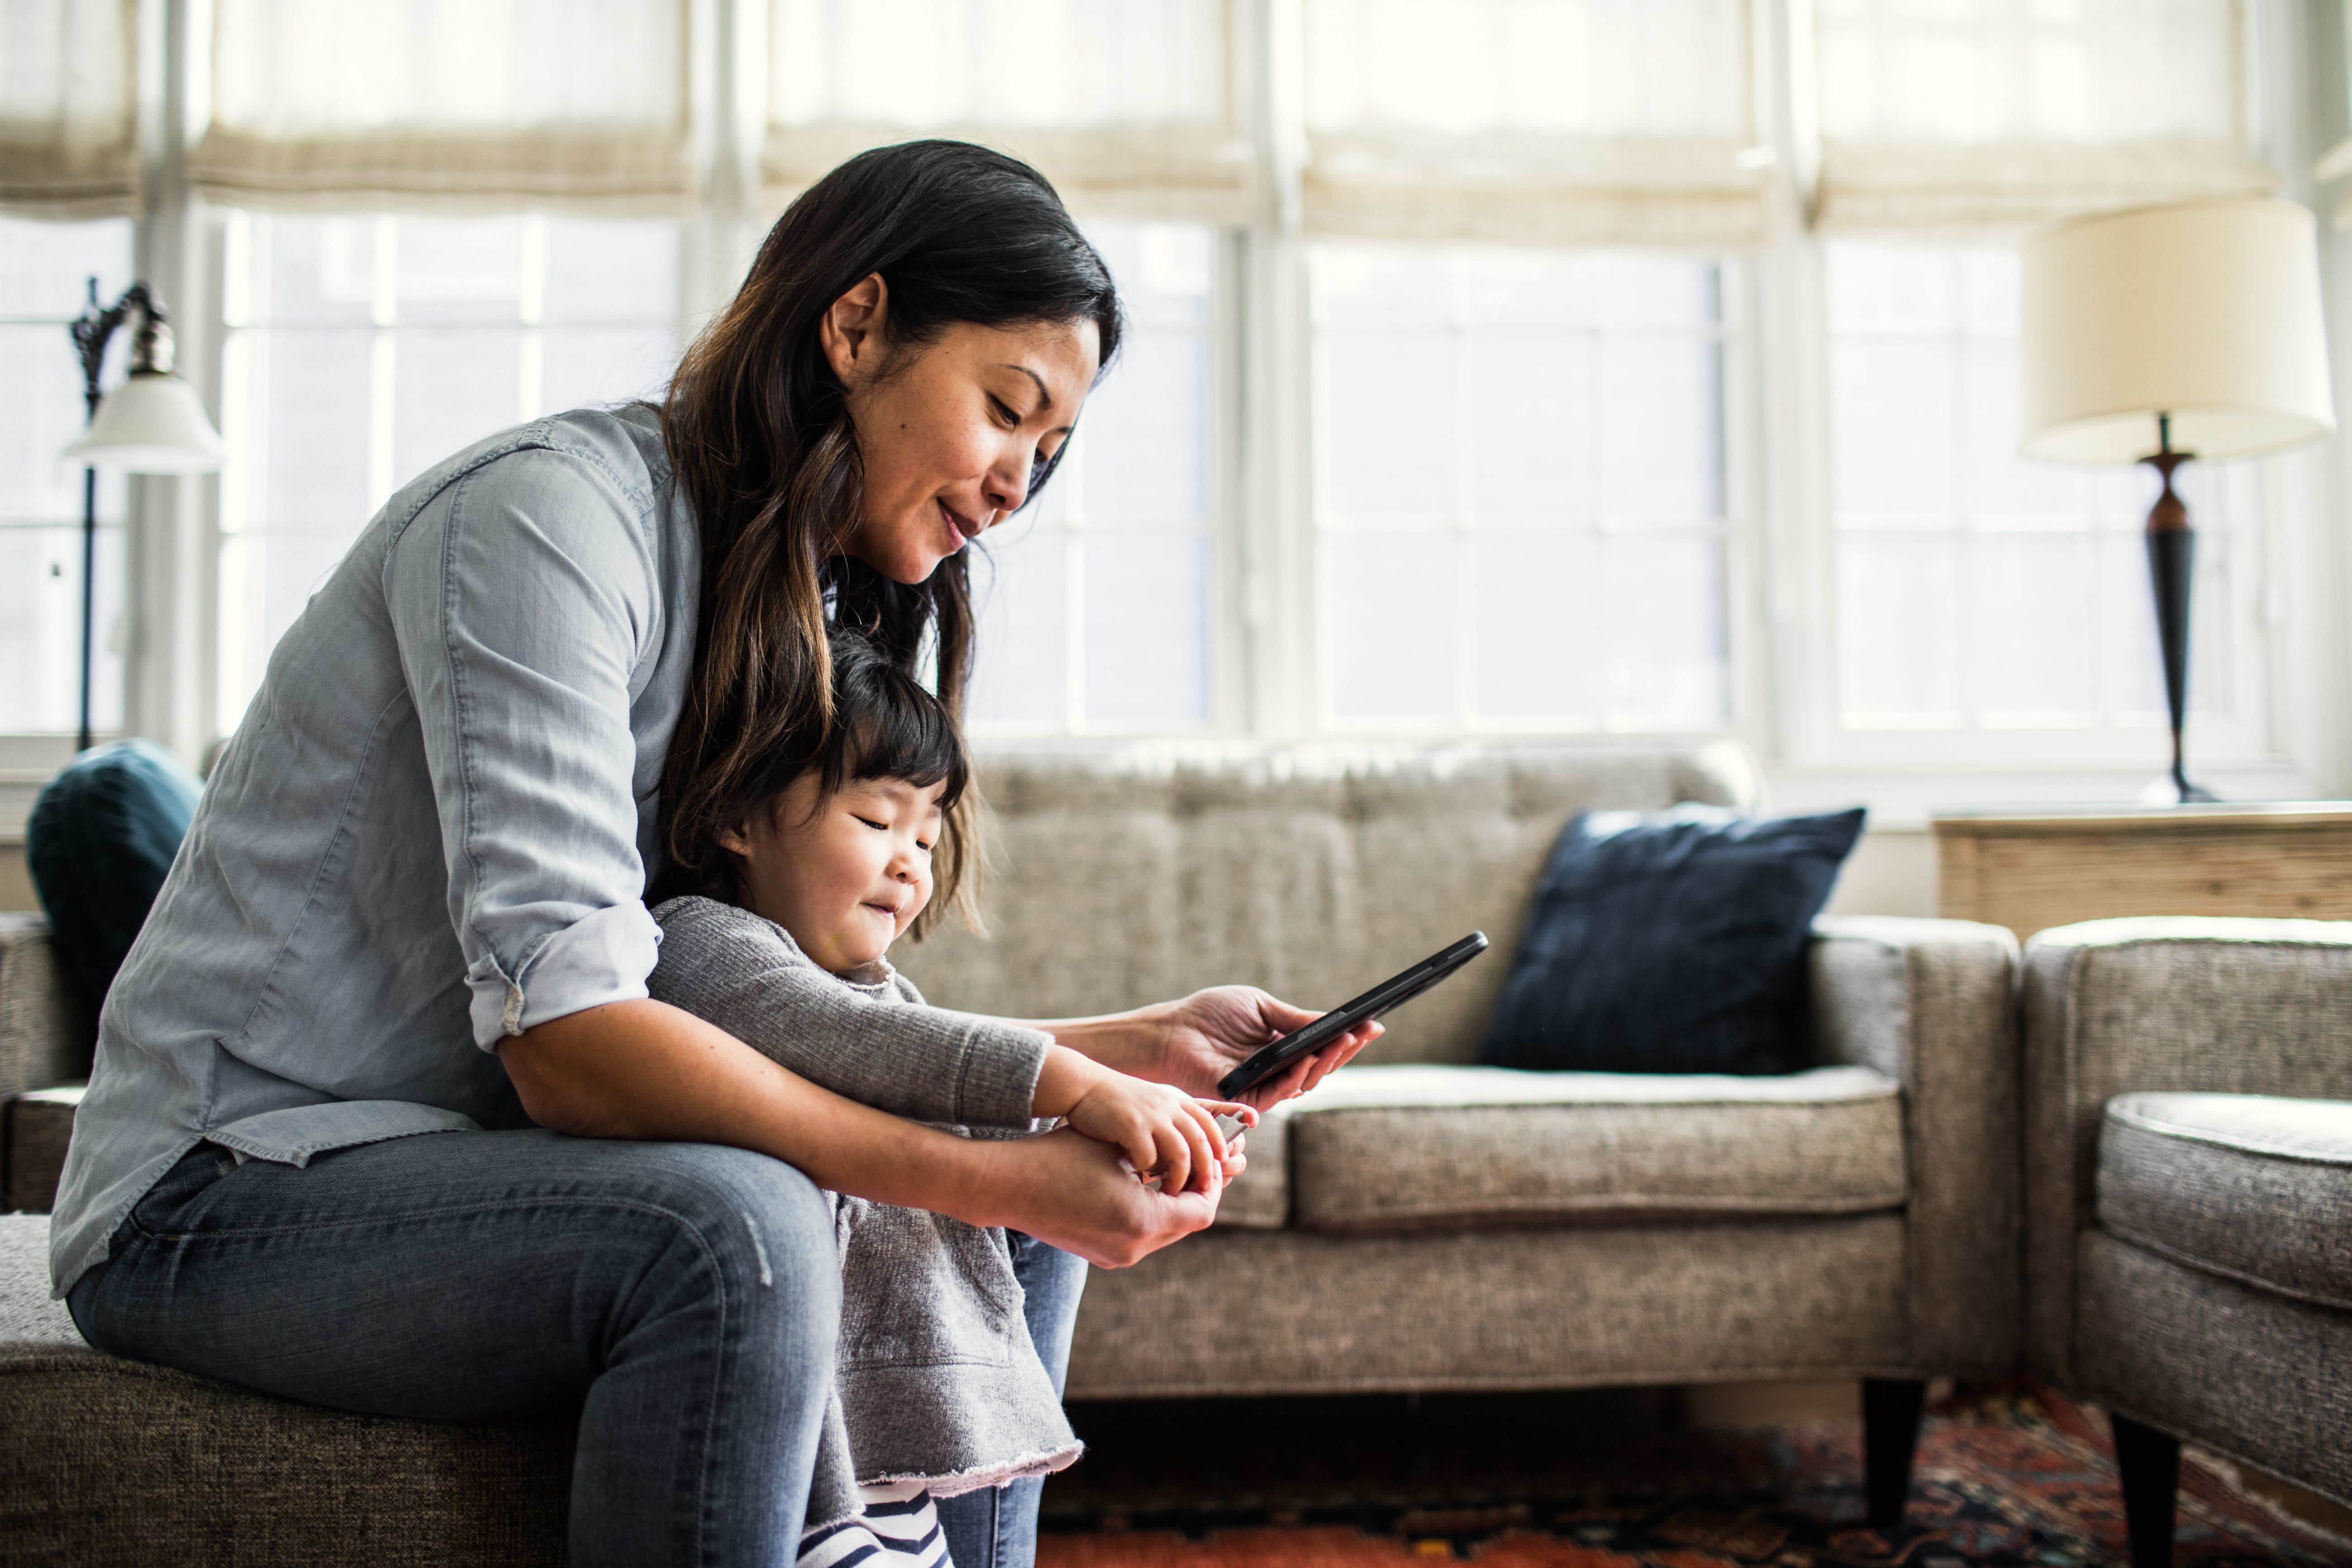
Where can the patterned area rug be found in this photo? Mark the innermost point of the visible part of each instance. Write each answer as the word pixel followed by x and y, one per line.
pixel 2009 1475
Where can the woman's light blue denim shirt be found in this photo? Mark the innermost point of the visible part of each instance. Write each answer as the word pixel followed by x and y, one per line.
pixel 432 831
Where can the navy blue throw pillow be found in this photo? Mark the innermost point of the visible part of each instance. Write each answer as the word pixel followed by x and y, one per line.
pixel 99 843
pixel 1673 942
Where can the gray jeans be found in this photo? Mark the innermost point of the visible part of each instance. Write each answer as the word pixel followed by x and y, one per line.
pixel 682 1298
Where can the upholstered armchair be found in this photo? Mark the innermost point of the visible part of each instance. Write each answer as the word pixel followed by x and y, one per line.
pixel 2189 1194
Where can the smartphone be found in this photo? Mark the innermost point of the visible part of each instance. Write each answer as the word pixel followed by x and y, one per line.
pixel 1394 992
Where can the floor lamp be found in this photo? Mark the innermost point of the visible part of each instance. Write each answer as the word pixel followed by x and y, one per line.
pixel 153 424
pixel 2163 333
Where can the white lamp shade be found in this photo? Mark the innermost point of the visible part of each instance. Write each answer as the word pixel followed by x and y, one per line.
pixel 151 424
pixel 2206 310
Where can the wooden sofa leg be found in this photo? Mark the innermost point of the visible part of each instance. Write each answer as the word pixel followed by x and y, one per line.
pixel 2149 1463
pixel 1890 1432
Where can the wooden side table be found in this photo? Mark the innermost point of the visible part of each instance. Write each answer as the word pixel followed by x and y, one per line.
pixel 2032 869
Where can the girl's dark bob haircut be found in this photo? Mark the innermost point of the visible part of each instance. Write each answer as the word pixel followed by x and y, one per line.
pixel 886 725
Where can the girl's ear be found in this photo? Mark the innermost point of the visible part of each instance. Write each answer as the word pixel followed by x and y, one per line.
pixel 734 840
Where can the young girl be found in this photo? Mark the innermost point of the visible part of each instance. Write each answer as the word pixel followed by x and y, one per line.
pixel 940 1389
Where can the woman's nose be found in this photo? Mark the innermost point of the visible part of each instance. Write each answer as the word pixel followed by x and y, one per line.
pixel 1008 485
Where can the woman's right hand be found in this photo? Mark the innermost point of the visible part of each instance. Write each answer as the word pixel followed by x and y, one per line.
pixel 1073 1191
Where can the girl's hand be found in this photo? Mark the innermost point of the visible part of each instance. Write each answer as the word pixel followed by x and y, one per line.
pixel 1071 1191
pixel 1165 1132
pixel 1194 1042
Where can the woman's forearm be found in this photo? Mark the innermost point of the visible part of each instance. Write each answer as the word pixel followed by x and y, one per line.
pixel 1121 1040
pixel 645 1069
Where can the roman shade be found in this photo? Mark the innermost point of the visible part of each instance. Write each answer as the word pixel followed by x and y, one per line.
pixel 1128 108
pixel 68 108
pixel 447 104
pixel 1983 120
pixel 1571 124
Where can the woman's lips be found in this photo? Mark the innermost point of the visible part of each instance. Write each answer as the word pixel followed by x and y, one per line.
pixel 963 525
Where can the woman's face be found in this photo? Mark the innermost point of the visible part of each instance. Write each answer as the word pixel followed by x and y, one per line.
pixel 951 435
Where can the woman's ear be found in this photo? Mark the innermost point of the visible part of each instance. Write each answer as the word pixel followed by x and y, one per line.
pixel 852 329
pixel 735 840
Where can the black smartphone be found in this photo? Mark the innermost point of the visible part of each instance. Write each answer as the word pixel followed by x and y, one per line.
pixel 1394 992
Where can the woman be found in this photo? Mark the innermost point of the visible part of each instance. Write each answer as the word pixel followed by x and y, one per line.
pixel 307 1161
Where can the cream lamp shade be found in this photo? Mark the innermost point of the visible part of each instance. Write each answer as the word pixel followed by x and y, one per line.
pixel 2206 311
pixel 151 424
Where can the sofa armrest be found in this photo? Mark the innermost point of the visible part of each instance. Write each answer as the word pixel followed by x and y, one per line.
pixel 1932 1004
pixel 47 1033
pixel 2212 1006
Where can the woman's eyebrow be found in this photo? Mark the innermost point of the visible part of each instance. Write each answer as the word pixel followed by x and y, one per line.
pixel 1045 398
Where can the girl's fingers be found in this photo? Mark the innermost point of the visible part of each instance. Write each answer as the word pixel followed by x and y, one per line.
pixel 1144 1152
pixel 1201 1148
pixel 1176 1161
pixel 1203 1115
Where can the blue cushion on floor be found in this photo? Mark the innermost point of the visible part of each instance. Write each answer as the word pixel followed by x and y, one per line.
pixel 1670 943
pixel 99 843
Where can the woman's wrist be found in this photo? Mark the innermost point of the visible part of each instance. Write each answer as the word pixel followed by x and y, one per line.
pixel 1123 1042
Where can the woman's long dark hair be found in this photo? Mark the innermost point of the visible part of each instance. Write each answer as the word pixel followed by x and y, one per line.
pixel 885 726
pixel 759 436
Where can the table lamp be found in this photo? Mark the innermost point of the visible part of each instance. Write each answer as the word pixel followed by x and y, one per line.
pixel 2163 333
pixel 153 424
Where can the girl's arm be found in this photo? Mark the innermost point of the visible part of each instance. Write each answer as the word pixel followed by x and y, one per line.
pixel 645 1069
pixel 1194 1042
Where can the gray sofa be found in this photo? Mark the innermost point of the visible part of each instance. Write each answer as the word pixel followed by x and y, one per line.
pixel 2189 1180
pixel 1418 1224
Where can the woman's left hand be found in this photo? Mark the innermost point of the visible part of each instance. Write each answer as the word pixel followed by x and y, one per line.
pixel 1194 1042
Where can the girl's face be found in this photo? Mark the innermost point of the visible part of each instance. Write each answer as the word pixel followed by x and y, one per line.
pixel 845 873
pixel 951 435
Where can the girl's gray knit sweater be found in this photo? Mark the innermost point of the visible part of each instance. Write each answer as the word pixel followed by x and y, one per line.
pixel 936 1379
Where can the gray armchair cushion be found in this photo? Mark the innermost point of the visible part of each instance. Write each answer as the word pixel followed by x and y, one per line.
pixel 2248 1186
pixel 1424 1147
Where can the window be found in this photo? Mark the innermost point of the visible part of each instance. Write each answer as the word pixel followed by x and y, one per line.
pixel 1519 488
pixel 1501 368
pixel 1976 589
pixel 45 273
pixel 1098 607
pixel 361 350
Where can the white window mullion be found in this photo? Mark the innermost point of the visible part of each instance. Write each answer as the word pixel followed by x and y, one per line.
pixel 1288 660
pixel 382 362
pixel 530 372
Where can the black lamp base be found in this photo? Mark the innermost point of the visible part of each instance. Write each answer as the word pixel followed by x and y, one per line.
pixel 2172 570
pixel 2167 789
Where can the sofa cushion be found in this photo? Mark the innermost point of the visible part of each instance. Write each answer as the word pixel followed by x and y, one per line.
pixel 2251 1186
pixel 1427 1147
pixel 1261 1199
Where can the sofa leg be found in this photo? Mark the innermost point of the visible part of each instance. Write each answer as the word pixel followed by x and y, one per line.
pixel 1890 1432
pixel 2149 1463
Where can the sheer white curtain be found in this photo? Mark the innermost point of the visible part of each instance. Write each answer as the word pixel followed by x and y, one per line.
pixel 1979 121
pixel 69 107
pixel 572 103
pixel 1559 122
pixel 1127 106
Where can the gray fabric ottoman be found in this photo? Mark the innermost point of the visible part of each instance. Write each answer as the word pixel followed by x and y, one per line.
pixel 106 1461
pixel 2189 1164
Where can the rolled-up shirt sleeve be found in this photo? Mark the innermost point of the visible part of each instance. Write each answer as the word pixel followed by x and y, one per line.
pixel 524 600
